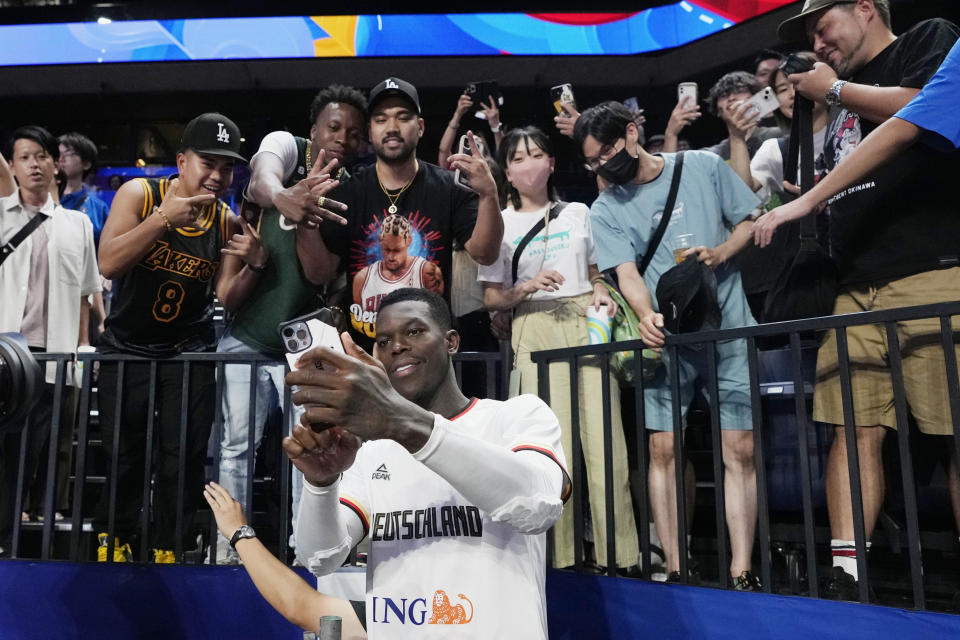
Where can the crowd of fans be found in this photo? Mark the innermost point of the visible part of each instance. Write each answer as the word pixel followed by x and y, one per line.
pixel 321 227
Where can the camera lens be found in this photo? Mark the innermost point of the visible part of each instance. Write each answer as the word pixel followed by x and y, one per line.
pixel 292 345
pixel 21 382
pixel 301 334
pixel 287 332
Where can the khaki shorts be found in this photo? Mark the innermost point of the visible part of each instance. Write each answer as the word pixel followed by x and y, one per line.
pixel 924 368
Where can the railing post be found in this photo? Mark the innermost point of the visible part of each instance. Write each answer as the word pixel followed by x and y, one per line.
pixel 713 389
pixel 906 465
pixel 853 463
pixel 643 497
pixel 803 451
pixel 679 466
pixel 759 461
pixel 148 462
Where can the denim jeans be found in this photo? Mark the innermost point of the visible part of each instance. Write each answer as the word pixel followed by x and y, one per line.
pixel 236 415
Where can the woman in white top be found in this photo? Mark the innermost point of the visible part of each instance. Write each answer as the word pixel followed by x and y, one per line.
pixel 764 172
pixel 557 279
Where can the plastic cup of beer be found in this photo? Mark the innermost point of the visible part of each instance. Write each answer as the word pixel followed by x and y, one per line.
pixel 598 324
pixel 681 243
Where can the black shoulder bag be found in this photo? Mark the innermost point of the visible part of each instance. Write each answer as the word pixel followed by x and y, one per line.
pixel 534 230
pixel 21 235
pixel 807 286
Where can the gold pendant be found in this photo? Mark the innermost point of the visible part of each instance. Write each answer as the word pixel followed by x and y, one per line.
pixel 392 209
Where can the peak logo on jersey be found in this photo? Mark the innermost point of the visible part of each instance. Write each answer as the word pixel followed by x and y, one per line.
pixel 447 521
pixel 445 613
pixel 381 473
pixel 386 610
pixel 162 257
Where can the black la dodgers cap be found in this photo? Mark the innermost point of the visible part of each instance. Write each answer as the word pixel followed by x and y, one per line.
pixel 393 87
pixel 213 134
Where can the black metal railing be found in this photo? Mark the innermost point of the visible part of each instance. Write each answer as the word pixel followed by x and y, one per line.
pixel 794 333
pixel 93 469
pixel 487 375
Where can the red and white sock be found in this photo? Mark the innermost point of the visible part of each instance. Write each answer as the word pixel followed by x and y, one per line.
pixel 845 556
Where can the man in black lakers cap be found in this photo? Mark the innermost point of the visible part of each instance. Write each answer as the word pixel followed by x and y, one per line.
pixel 164 243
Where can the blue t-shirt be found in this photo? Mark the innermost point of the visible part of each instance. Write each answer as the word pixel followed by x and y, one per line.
pixel 89 204
pixel 934 109
pixel 711 200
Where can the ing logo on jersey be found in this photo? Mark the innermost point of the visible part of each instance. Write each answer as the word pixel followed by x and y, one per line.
pixel 386 610
pixel 162 257
pixel 445 613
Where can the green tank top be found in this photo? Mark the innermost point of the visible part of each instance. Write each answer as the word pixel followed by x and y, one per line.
pixel 283 292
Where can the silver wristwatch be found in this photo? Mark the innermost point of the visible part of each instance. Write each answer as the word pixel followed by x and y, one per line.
pixel 833 93
pixel 245 531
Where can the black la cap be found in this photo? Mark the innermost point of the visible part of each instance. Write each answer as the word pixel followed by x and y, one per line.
pixel 213 134
pixel 393 87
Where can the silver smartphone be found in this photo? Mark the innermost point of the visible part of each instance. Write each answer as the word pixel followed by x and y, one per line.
pixel 764 102
pixel 312 330
pixel 465 148
pixel 687 90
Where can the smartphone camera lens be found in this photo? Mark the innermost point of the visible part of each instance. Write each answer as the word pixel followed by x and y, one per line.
pixel 287 332
pixel 301 334
pixel 292 345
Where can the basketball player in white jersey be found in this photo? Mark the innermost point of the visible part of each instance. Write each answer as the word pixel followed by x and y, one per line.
pixel 455 493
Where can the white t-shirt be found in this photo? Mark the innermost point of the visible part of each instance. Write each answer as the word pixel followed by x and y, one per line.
pixel 435 559
pixel 568 248
pixel 282 145
pixel 767 165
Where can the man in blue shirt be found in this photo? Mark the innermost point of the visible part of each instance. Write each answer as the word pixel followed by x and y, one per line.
pixel 78 159
pixel 711 200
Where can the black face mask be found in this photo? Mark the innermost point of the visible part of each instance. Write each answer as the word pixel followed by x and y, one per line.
pixel 619 169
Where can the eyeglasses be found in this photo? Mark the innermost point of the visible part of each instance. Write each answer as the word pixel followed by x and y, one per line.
pixel 69 154
pixel 606 152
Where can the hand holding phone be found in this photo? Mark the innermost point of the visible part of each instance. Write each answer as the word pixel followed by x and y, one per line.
pixel 563 94
pixel 459 177
pixel 687 91
pixel 312 330
pixel 763 103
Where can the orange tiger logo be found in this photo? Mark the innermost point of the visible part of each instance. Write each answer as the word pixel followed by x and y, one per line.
pixel 445 613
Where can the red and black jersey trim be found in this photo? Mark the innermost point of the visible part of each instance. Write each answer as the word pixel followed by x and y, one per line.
pixel 567 483
pixel 360 514
pixel 473 403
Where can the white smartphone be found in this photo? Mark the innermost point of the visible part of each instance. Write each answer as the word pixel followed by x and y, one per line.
pixel 312 330
pixel 764 102
pixel 465 148
pixel 687 90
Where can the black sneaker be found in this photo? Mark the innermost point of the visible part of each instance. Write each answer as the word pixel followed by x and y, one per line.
pixel 841 586
pixel 693 576
pixel 746 581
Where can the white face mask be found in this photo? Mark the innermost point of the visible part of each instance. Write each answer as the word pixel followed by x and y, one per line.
pixel 530 175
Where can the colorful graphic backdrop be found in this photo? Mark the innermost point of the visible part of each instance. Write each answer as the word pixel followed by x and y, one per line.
pixel 476 34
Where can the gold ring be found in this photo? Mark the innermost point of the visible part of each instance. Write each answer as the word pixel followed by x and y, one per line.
pixel 322 200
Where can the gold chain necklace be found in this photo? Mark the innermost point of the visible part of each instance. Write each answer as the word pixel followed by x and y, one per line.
pixel 395 197
pixel 309 160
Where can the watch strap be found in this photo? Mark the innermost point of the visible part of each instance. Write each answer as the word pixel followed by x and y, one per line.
pixel 833 93
pixel 245 531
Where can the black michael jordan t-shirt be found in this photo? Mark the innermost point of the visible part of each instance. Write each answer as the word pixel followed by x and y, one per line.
pixel 433 214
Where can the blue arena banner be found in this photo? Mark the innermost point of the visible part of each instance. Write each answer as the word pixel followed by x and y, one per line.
pixel 470 34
